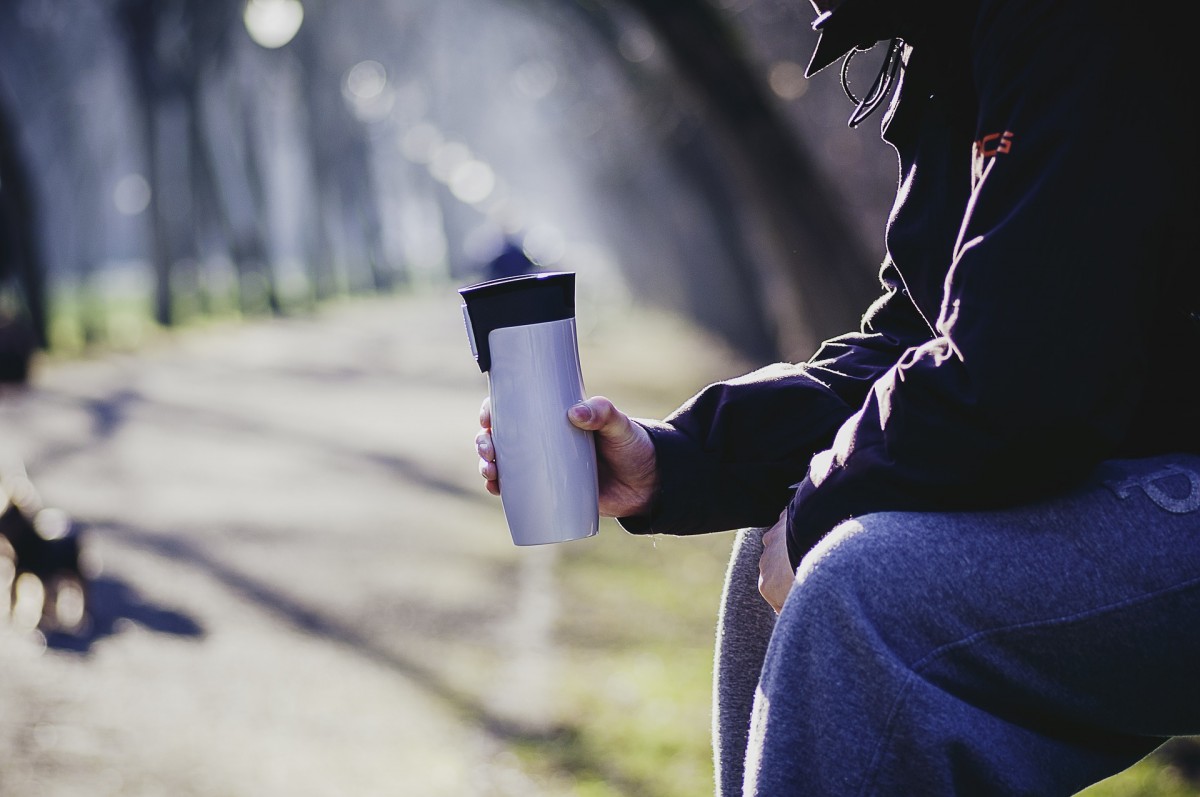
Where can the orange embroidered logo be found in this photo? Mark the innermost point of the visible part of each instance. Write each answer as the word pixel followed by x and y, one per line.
pixel 994 144
pixel 984 152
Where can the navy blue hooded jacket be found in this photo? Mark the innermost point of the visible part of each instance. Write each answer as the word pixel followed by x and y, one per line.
pixel 1039 294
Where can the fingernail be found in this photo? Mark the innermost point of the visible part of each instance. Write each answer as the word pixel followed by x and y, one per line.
pixel 580 412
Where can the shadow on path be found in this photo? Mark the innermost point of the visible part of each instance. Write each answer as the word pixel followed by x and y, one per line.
pixel 110 413
pixel 558 746
pixel 113 606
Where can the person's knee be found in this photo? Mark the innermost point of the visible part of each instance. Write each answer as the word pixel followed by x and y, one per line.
pixel 864 577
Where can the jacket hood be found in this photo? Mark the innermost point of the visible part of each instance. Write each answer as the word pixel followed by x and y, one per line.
pixel 857 24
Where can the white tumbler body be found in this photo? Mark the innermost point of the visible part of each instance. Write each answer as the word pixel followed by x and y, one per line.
pixel 546 466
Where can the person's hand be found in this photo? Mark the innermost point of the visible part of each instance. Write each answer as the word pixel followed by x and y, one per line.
pixel 624 456
pixel 775 574
pixel 487 449
pixel 628 468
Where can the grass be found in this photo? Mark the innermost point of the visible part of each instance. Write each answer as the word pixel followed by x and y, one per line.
pixel 636 628
pixel 86 320
pixel 1153 776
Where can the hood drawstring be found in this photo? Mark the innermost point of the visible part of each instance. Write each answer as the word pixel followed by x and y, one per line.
pixel 879 88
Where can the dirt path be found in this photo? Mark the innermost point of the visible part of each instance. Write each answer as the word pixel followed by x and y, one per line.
pixel 302 582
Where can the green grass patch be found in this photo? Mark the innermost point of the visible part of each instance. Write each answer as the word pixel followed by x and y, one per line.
pixel 637 629
pixel 1154 776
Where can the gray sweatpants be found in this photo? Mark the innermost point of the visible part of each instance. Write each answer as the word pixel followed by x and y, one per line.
pixel 1029 651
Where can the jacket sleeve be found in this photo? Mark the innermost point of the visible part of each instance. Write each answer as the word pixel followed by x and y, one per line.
pixel 1039 360
pixel 731 456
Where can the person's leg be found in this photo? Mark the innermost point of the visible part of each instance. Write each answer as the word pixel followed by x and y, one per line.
pixel 743 630
pixel 1030 651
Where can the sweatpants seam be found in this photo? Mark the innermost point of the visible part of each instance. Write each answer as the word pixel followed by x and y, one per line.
pixel 937 653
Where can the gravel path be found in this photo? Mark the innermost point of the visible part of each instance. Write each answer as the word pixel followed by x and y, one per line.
pixel 304 589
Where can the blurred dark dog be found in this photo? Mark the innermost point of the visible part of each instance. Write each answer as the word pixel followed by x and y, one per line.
pixel 40 560
pixel 41 567
pixel 42 579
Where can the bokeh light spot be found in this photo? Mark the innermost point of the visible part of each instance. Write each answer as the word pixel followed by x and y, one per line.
pixel 447 158
pixel 52 523
pixel 366 80
pixel 365 88
pixel 131 194
pixel 535 79
pixel 29 596
pixel 420 142
pixel 273 23
pixel 787 80
pixel 472 181
pixel 636 45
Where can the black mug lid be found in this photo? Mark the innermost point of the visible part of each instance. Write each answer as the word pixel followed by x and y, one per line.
pixel 513 302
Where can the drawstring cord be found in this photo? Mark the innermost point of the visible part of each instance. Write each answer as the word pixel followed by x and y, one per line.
pixel 879 88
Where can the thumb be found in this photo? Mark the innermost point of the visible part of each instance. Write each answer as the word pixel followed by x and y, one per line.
pixel 599 415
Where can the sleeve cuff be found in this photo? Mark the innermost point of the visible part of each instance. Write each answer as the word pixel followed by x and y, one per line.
pixel 799 540
pixel 686 475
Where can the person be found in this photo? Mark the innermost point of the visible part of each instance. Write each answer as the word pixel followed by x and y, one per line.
pixel 510 261
pixel 981 561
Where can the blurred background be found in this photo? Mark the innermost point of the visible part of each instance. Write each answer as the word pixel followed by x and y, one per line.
pixel 199 158
pixel 239 402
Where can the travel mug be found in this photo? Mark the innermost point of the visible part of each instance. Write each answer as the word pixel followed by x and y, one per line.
pixel 522 333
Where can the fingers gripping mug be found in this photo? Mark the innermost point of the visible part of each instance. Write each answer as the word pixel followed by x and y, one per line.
pixel 522 333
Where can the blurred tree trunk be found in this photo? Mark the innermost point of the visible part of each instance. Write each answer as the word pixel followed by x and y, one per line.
pixel 141 21
pixel 168 42
pixel 347 231
pixel 20 250
pixel 321 109
pixel 238 222
pixel 815 276
pixel 233 200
